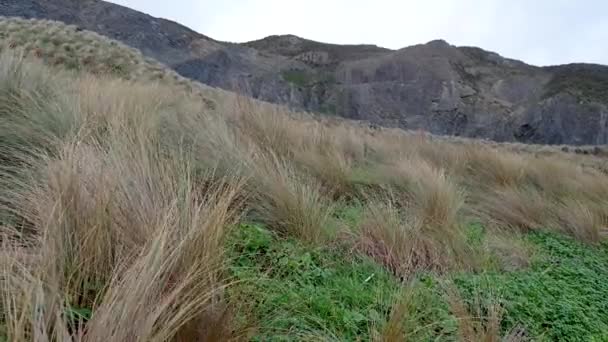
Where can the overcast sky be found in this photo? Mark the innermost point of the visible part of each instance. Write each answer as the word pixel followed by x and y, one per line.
pixel 540 32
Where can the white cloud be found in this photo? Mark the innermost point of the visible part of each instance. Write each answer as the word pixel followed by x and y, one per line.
pixel 539 32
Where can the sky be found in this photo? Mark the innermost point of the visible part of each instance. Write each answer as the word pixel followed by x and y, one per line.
pixel 539 32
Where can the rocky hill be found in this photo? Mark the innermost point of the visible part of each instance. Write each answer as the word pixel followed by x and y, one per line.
pixel 437 87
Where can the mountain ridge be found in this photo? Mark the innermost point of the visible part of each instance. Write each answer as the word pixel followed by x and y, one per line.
pixel 438 87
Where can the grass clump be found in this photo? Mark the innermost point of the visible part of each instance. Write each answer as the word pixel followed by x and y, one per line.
pixel 93 247
pixel 111 235
pixel 291 203
pixel 416 226
pixel 118 200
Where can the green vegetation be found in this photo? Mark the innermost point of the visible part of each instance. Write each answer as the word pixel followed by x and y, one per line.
pixel 331 294
pixel 303 78
pixel 300 290
pixel 292 46
pixel 328 293
pixel 587 82
pixel 132 211
pixel 562 296
pixel 299 78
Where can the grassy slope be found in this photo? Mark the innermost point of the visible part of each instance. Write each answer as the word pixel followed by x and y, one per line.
pixel 67 47
pixel 133 211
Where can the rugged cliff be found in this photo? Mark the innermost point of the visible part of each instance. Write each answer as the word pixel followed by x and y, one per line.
pixel 436 86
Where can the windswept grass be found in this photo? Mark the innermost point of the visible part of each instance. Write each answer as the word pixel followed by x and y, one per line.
pixel 127 236
pixel 290 202
pixel 68 47
pixel 118 198
pixel 113 236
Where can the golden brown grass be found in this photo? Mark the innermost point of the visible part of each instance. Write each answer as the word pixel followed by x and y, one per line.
pixel 291 203
pixel 417 233
pixel 117 195
pixel 128 235
pixel 115 222
pixel 67 47
pixel 480 321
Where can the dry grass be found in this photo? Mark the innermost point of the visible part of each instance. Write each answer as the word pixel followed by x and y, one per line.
pixel 291 203
pixel 585 221
pixel 480 321
pixel 128 235
pixel 493 168
pixel 66 46
pixel 116 196
pixel 401 241
pixel 520 209
pixel 116 222
pixel 416 227
pixel 400 325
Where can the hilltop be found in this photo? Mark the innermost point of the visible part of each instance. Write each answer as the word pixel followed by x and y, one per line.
pixel 436 87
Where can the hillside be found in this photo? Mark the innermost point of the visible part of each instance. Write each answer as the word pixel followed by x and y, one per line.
pixel 130 210
pixel 436 87
pixel 72 48
pixel 191 54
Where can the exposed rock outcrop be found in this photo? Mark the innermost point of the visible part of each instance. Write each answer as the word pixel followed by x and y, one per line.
pixel 435 86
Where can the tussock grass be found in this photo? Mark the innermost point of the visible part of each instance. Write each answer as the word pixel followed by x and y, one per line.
pixel 333 155
pixel 406 241
pixel 116 195
pixel 401 323
pixel 131 238
pixel 67 46
pixel 415 226
pixel 480 321
pixel 435 197
pixel 332 168
pixel 522 209
pixel 477 320
pixel 290 202
pixel 584 221
pixel 495 168
pixel 71 48
pixel 34 114
pixel 117 224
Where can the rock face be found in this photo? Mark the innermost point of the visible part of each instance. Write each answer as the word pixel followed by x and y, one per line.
pixel 435 86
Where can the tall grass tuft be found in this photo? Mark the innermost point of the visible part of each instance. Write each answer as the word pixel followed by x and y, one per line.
pixel 416 226
pixel 291 202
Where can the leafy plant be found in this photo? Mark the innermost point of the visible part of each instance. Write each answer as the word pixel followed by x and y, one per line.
pixel 562 296
pixel 299 290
